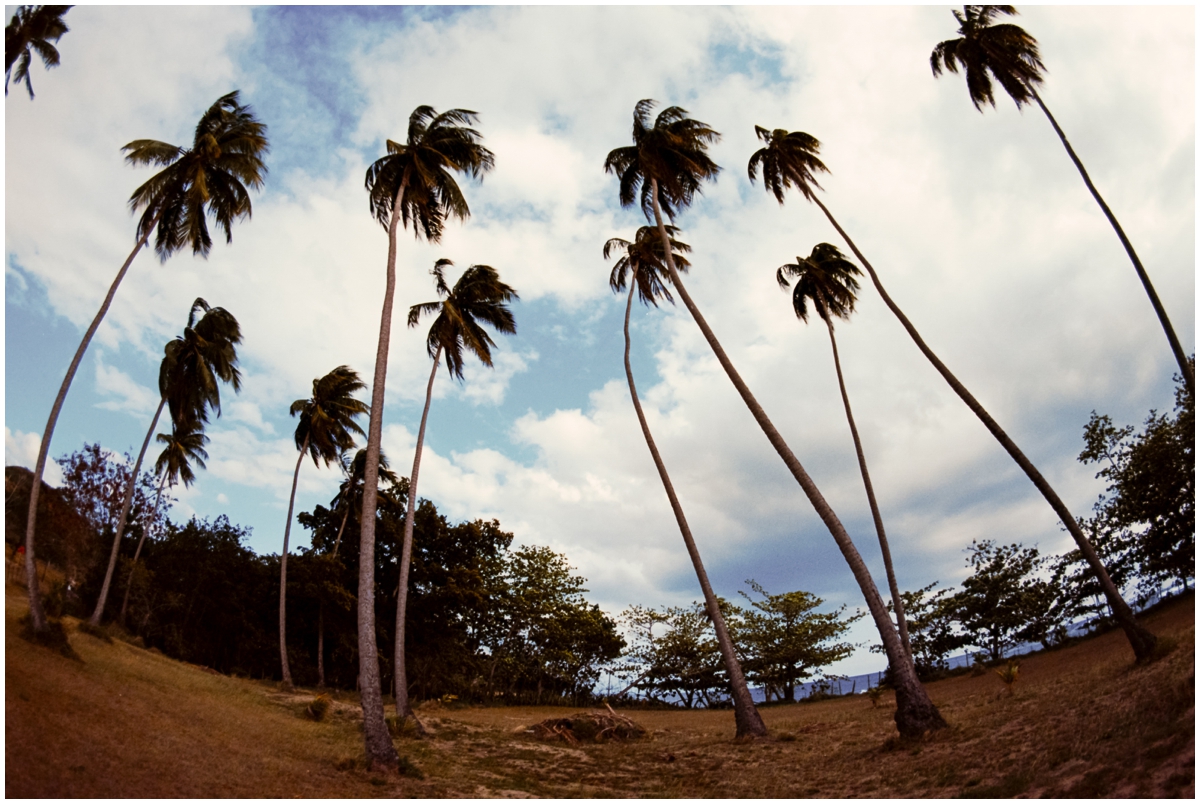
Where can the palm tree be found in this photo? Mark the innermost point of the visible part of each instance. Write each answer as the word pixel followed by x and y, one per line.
pixel 987 50
pixel 827 279
pixel 188 378
pixel 210 178
pixel 642 268
pixel 413 182
pixel 478 296
pixel 183 447
pixel 665 167
pixel 32 27
pixel 327 421
pixel 790 159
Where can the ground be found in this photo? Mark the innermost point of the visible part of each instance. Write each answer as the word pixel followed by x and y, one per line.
pixel 120 721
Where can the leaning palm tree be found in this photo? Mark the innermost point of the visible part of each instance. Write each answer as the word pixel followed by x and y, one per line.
pixel 827 280
pixel 664 169
pixel 32 28
pixel 643 269
pixel 210 178
pixel 188 377
pixel 790 159
pixel 182 448
pixel 477 297
pixel 413 183
pixel 987 50
pixel 325 431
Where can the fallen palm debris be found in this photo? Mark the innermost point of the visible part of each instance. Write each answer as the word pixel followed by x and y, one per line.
pixel 589 726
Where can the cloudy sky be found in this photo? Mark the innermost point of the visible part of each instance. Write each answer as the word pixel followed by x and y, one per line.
pixel 978 224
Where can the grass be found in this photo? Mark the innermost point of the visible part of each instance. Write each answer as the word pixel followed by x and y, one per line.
pixel 1084 721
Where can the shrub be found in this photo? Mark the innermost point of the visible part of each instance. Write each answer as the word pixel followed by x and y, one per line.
pixel 319 707
pixel 1009 673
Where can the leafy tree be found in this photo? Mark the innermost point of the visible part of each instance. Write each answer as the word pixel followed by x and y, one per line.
pixel 790 159
pixel 786 640
pixel 210 178
pixel 478 297
pixel 988 50
pixel 413 182
pixel 827 280
pixel 643 268
pixel 932 620
pixel 32 28
pixel 325 431
pixel 683 662
pixel 68 539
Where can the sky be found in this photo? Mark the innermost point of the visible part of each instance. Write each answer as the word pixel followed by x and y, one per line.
pixel 978 224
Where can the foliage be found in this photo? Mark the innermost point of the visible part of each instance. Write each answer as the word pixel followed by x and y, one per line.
pixel 644 263
pixel 1009 674
pixel 65 537
pixel 989 51
pixel 319 707
pixel 327 418
pixel 682 663
pixel 196 362
pixel 32 28
pixel 931 629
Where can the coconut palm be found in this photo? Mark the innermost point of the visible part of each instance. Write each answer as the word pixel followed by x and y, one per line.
pixel 643 269
pixel 827 280
pixel 790 159
pixel 664 168
pixel 325 431
pixel 478 297
pixel 413 183
pixel 210 178
pixel 987 50
pixel 32 28
pixel 183 447
pixel 188 378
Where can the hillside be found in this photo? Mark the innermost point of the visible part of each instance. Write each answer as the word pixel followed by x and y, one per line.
pixel 126 722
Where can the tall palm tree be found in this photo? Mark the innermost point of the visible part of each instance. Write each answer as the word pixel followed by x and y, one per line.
pixel 790 159
pixel 188 378
pixel 183 447
pixel 210 178
pixel 477 297
pixel 827 279
pixel 413 182
pixel 642 268
pixel 325 431
pixel 32 28
pixel 665 167
pixel 988 50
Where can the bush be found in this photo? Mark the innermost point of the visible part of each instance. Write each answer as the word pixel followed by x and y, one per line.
pixel 319 707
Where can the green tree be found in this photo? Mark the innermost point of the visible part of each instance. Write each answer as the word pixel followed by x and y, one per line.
pixel 683 662
pixel 643 268
pixel 786 640
pixel 478 297
pixel 32 28
pixel 325 431
pixel 987 50
pixel 790 159
pixel 413 182
pixel 827 279
pixel 188 378
pixel 210 178
pixel 932 628
pixel 665 167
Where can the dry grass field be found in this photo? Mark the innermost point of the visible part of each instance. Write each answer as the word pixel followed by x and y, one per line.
pixel 124 722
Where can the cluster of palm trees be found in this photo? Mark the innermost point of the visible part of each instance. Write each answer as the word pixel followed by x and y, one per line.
pixel 415 183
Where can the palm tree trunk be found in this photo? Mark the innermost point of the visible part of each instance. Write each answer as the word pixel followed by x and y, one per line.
pixel 1140 639
pixel 915 712
pixel 378 742
pixel 746 716
pixel 125 506
pixel 400 674
pixel 36 614
pixel 897 602
pixel 138 552
pixel 1185 367
pixel 287 530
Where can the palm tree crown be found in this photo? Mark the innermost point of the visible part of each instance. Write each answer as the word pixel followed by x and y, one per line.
pixel 788 158
pixel 478 295
pixel 328 418
pixel 194 362
pixel 986 51
pixel 183 447
pixel 643 263
pixel 827 278
pixel 32 27
pixel 672 152
pixel 210 178
pixel 417 175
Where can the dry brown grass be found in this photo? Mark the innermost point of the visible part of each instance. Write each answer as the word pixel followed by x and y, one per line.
pixel 1082 722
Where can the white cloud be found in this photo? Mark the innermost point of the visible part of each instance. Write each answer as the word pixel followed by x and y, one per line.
pixel 21 449
pixel 132 398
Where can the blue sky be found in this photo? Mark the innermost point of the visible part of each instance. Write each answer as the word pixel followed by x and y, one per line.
pixel 977 223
